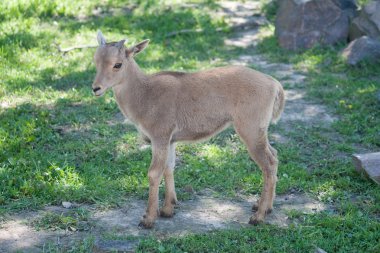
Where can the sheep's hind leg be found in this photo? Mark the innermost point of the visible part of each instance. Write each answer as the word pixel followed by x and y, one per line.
pixel 264 155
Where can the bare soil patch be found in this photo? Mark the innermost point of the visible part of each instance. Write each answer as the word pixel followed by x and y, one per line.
pixel 202 214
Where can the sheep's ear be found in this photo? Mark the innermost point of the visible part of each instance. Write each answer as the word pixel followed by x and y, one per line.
pixel 137 48
pixel 101 39
pixel 120 44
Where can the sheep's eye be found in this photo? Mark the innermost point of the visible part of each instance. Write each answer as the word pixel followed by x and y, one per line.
pixel 117 66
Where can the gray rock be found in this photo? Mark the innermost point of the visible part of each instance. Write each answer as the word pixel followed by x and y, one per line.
pixel 368 163
pixel 301 24
pixel 367 23
pixel 348 6
pixel 361 49
pixel 66 204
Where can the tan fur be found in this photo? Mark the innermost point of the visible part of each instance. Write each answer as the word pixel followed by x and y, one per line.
pixel 170 107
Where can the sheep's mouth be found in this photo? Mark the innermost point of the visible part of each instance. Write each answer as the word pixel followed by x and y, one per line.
pixel 97 91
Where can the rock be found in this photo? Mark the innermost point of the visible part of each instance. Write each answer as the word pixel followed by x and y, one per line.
pixel 369 163
pixel 348 6
pixel 361 49
pixel 319 250
pixel 67 204
pixel 144 147
pixel 345 4
pixel 367 23
pixel 301 24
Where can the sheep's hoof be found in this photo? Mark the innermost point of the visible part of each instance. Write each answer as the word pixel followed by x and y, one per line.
pixel 254 221
pixel 146 223
pixel 255 207
pixel 167 212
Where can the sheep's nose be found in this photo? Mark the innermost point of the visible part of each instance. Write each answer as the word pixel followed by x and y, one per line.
pixel 96 89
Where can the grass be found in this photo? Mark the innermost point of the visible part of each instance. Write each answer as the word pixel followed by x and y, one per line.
pixel 315 231
pixel 59 143
pixel 77 219
pixel 83 246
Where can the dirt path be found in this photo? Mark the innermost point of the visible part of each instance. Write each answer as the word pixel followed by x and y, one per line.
pixel 203 213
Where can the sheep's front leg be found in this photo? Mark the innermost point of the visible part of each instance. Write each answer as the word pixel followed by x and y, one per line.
pixel 158 164
pixel 170 196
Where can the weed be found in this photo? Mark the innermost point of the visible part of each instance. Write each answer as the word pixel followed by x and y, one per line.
pixel 73 220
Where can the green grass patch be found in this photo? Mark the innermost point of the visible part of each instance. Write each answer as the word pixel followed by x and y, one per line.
pixel 77 219
pixel 333 233
pixel 82 246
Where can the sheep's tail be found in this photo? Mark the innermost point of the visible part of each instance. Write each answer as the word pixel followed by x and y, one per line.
pixel 279 104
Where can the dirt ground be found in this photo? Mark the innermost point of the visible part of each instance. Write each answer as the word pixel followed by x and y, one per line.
pixel 203 213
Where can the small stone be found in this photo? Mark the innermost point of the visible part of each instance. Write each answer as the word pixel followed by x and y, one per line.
pixel 319 250
pixel 67 204
pixel 144 147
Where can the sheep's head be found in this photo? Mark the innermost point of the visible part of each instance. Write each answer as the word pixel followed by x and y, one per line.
pixel 111 60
